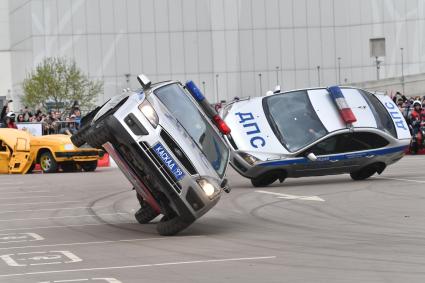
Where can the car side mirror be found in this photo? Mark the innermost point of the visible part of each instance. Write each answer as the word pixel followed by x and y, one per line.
pixel 311 156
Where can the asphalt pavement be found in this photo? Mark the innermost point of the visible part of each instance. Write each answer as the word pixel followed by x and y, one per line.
pixel 79 227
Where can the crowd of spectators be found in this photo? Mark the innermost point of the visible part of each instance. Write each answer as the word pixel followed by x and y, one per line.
pixel 413 110
pixel 53 122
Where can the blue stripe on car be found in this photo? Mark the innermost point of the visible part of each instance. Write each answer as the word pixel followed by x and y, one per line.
pixel 302 160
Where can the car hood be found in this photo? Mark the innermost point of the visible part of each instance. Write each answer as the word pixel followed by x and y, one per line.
pixel 250 130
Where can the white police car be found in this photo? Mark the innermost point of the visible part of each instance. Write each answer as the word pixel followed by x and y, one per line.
pixel 314 132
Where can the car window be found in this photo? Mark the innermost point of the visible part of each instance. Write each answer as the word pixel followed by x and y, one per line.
pixel 293 119
pixel 3 147
pixel 382 117
pixel 187 114
pixel 347 142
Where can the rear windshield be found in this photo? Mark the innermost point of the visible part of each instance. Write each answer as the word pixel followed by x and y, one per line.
pixel 188 115
pixel 293 119
pixel 382 117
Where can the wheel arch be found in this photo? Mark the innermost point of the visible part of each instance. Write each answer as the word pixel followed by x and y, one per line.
pixel 41 151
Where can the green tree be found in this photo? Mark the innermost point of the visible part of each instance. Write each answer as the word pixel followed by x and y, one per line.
pixel 59 82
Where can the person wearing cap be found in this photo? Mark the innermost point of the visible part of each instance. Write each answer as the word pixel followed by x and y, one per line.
pixel 10 121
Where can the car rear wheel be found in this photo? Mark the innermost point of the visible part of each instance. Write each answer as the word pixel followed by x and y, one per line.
pixel 364 173
pixel 146 213
pixel 89 166
pixel 48 163
pixel 265 179
pixel 69 167
pixel 171 226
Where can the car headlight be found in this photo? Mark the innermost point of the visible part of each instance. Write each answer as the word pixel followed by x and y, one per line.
pixel 208 188
pixel 68 146
pixel 146 108
pixel 251 160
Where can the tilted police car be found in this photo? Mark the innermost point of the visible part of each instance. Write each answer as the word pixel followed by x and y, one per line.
pixel 314 132
pixel 167 140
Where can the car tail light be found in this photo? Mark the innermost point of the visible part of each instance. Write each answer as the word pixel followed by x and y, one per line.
pixel 345 111
pixel 221 125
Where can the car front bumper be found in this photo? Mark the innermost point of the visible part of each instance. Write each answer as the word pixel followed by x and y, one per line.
pixel 184 196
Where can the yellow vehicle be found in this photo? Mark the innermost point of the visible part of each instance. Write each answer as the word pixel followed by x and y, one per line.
pixel 20 152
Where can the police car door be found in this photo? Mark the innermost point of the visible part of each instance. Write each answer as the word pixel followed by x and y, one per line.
pixel 329 160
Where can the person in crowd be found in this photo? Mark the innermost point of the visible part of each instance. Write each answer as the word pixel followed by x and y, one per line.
pixel 77 113
pixel 417 120
pixel 10 121
pixel 21 118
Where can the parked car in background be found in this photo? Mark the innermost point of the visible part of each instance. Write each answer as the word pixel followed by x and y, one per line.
pixel 314 132
pixel 20 152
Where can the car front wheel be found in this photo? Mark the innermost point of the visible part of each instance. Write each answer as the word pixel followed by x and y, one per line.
pixel 265 179
pixel 48 163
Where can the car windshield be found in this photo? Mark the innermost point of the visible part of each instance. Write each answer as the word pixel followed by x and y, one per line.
pixel 188 115
pixel 293 119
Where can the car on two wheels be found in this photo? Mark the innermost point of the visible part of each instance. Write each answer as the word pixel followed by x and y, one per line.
pixel 168 142
pixel 314 132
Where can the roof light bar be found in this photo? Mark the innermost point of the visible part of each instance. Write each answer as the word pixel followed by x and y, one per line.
pixel 345 111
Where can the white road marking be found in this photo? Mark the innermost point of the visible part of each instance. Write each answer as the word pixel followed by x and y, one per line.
pixel 49 209
pixel 107 280
pixel 40 258
pixel 47 202
pixel 401 180
pixel 286 196
pixel 60 217
pixel 66 226
pixel 27 197
pixel 95 242
pixel 140 265
pixel 19 238
pixel 28 192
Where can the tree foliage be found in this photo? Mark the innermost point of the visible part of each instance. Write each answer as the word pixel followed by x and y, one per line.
pixel 59 82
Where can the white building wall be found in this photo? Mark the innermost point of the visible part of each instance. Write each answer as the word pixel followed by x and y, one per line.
pixel 5 74
pixel 223 45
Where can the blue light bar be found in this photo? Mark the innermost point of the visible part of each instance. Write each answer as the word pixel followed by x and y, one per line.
pixel 194 91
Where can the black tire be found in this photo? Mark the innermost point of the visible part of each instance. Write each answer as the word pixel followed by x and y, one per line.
pixel 79 138
pixel 265 179
pixel 145 214
pixel 98 134
pixel 69 167
pixel 31 169
pixel 170 227
pixel 364 173
pixel 89 166
pixel 48 163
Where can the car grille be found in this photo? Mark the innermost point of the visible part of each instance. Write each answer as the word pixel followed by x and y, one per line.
pixel 162 167
pixel 178 152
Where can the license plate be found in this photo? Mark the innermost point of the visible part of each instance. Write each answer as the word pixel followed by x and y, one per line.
pixel 168 161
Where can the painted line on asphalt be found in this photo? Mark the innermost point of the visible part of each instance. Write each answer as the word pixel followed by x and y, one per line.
pixel 60 217
pixel 286 196
pixel 141 265
pixel 97 242
pixel 46 202
pixel 27 197
pixel 401 180
pixel 50 209
pixel 68 226
pixel 28 192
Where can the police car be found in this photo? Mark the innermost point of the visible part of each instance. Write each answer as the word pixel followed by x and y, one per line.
pixel 314 132
pixel 167 140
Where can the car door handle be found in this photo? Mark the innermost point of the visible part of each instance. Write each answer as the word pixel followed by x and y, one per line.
pixel 370 156
pixel 334 160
